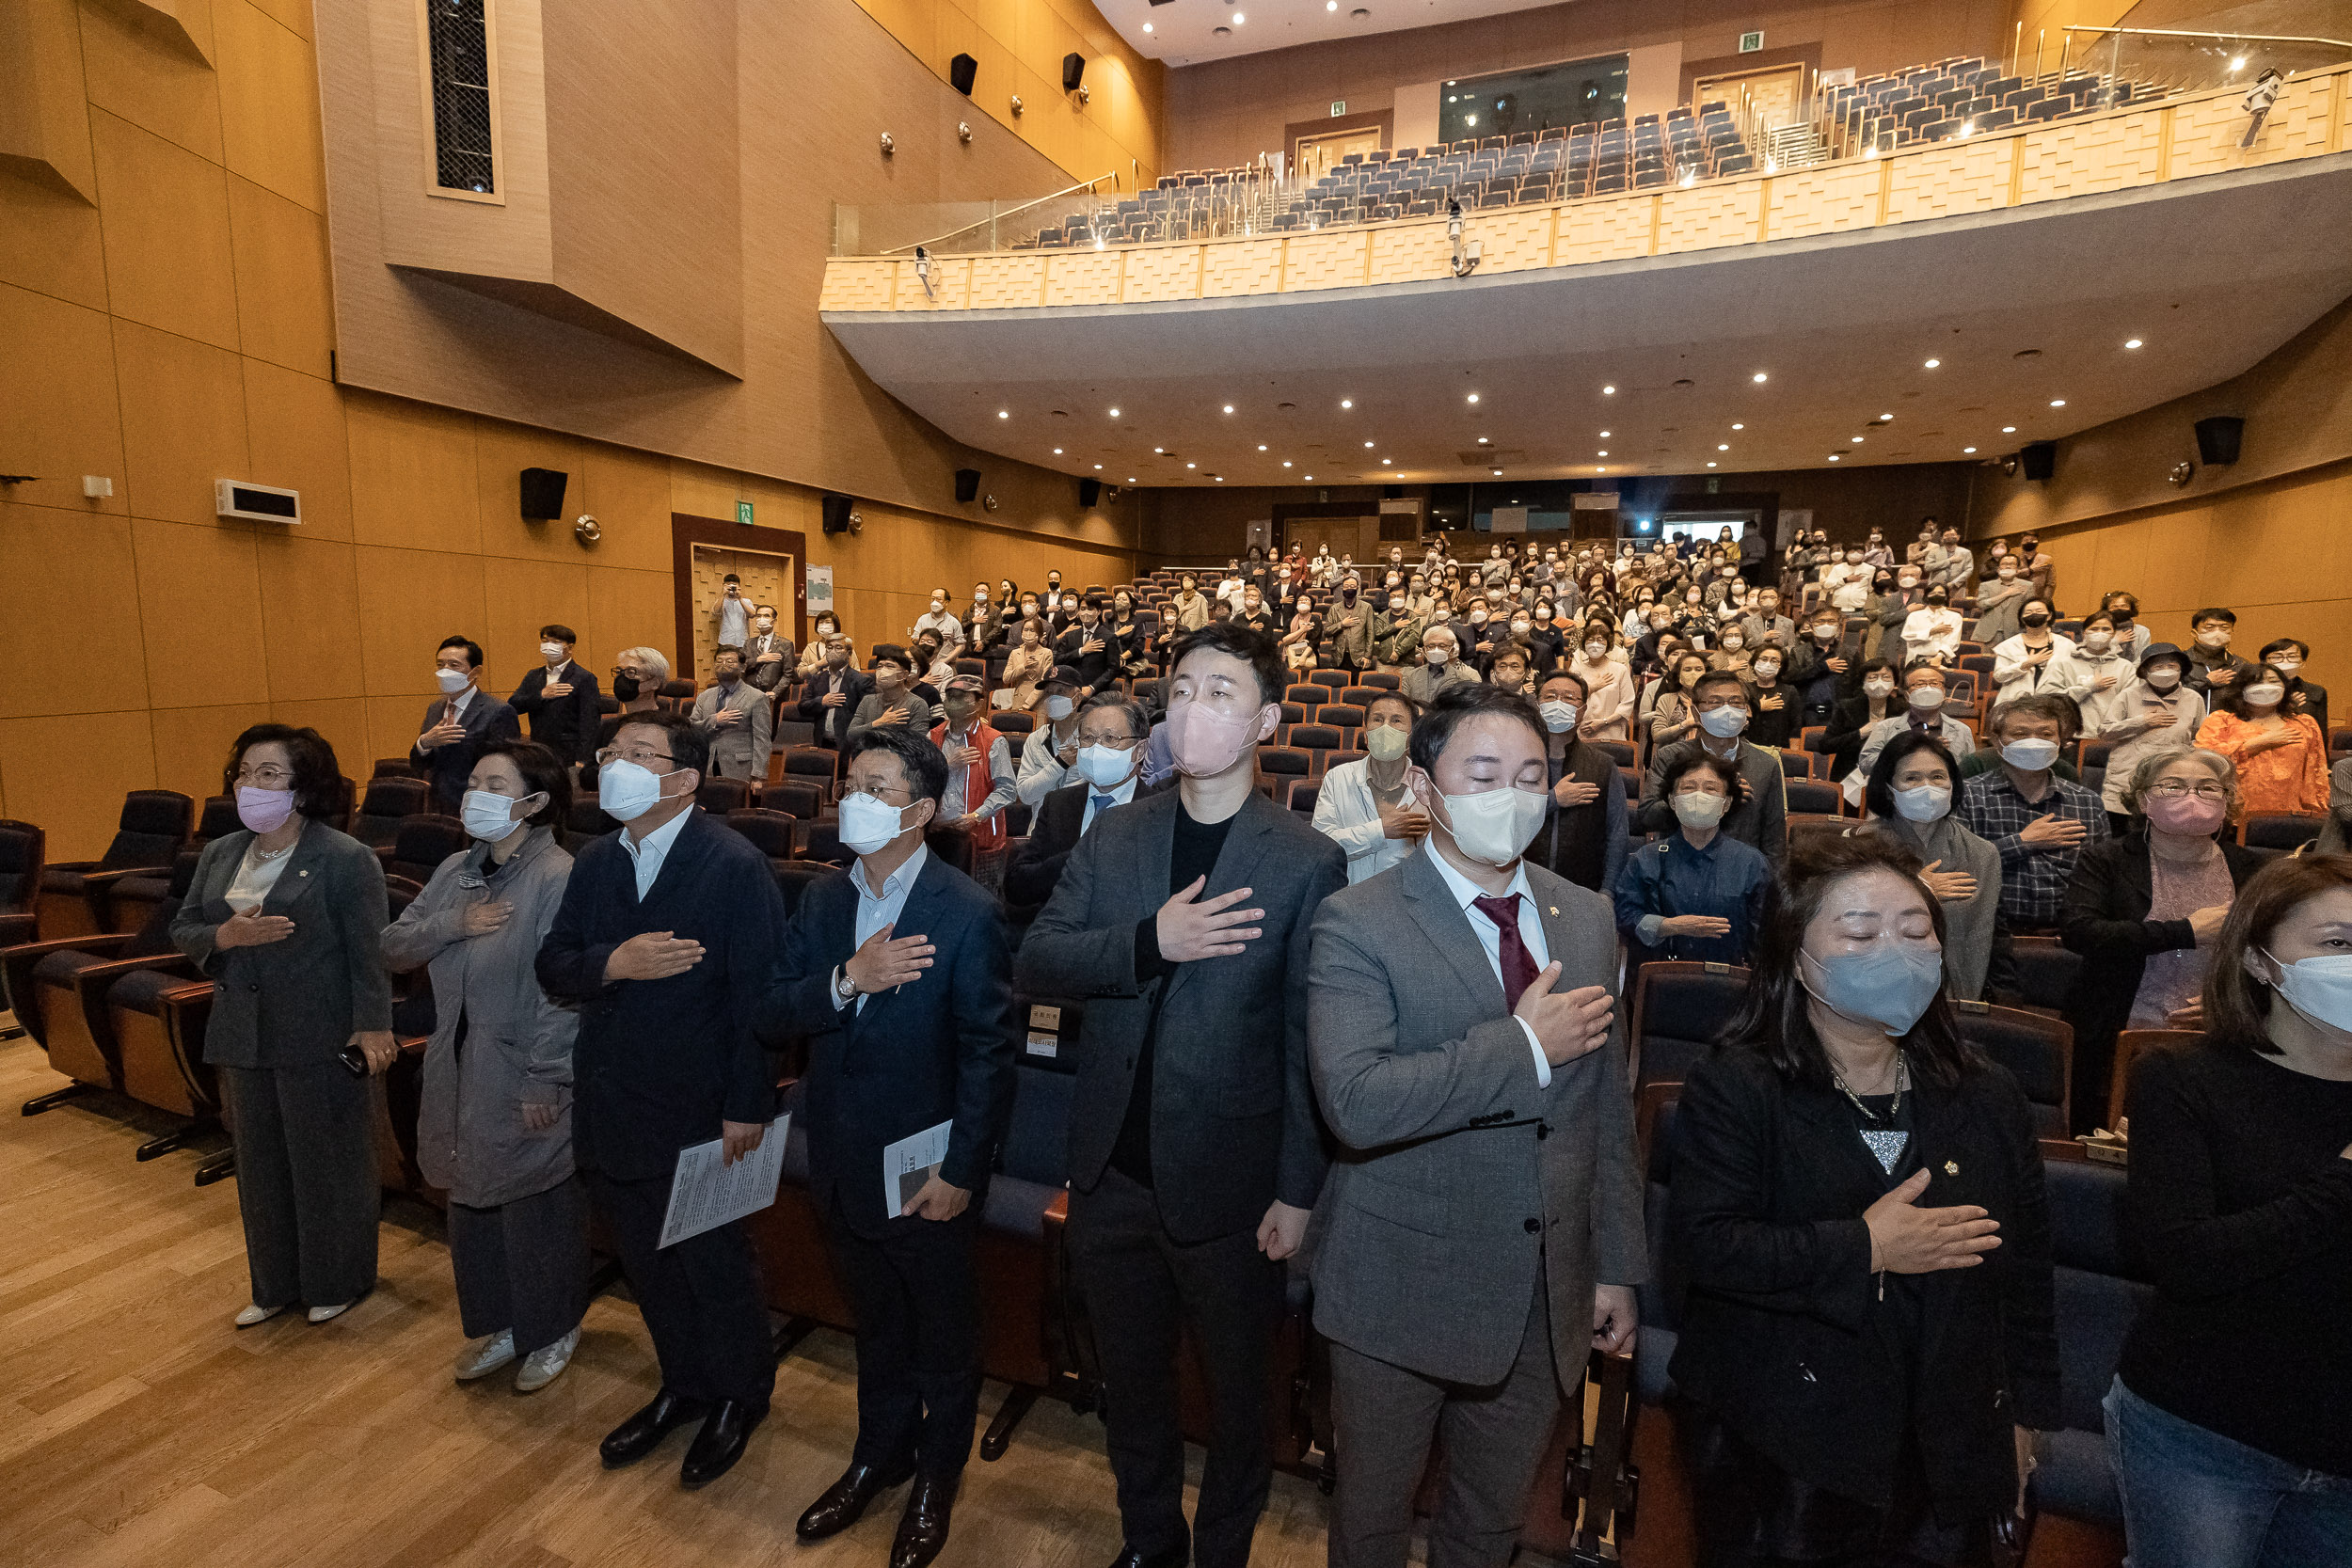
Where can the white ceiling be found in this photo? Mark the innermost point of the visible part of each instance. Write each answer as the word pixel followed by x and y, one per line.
pixel 1184 32
pixel 2024 310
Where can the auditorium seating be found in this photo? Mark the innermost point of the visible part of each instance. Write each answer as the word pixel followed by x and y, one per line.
pixel 2098 1297
pixel 384 805
pixel 2038 1051
pixel 23 849
pixel 153 830
pixel 1679 1007
pixel 421 846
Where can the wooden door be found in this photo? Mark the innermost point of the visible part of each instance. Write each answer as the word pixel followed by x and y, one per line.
pixel 1775 96
pixel 768 579
pixel 1316 156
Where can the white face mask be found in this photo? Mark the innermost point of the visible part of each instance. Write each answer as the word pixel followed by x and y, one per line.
pixel 490 817
pixel 868 824
pixel 1478 617
pixel 1878 688
pixel 1106 766
pixel 2031 756
pixel 1927 699
pixel 1058 708
pixel 2267 695
pixel 453 681
pixel 2320 988
pixel 1733 641
pixel 1522 624
pixel 2212 639
pixel 1924 803
pixel 1724 722
pixel 2286 667
pixel 2164 679
pixel 554 650
pixel 1697 809
pixel 1595 650
pixel 1495 827
pixel 2098 642
pixel 1559 717
pixel 1767 674
pixel 626 790
pixel 1436 656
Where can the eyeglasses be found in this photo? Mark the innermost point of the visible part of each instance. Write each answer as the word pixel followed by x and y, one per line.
pixel 1118 742
pixel 644 756
pixel 2173 789
pixel 270 777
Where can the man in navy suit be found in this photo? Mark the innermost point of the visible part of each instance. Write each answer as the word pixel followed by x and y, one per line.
pixel 668 939
pixel 560 698
pixel 900 970
pixel 833 692
pixel 459 722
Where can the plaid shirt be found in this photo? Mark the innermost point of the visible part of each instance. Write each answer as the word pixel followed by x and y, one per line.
pixel 2033 883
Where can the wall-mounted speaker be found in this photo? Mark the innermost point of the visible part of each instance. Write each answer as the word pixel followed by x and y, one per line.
pixel 1392 492
pixel 543 493
pixel 961 70
pixel 837 510
pixel 1090 491
pixel 2217 438
pixel 1073 71
pixel 967 483
pixel 2038 459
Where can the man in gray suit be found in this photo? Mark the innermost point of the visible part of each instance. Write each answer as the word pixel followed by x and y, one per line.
pixel 1482 1227
pixel 737 717
pixel 1181 919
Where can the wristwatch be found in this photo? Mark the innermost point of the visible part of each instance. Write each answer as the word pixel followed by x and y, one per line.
pixel 844 988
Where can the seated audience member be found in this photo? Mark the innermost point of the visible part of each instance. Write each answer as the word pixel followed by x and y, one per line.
pixel 1052 749
pixel 1758 816
pixel 2036 820
pixel 2023 663
pixel 2280 757
pixel 559 698
pixel 1667 713
pixel 2144 910
pixel 1440 665
pixel 459 722
pixel 1932 628
pixel 768 656
pixel 1910 798
pixel 2212 668
pixel 1029 662
pixel 2226 1418
pixel 1858 1211
pixel 1925 692
pixel 2288 655
pixel 735 719
pixel 1608 680
pixel 1778 708
pixel 830 697
pixel 981 778
pixel 891 699
pixel 494 1122
pixel 1585 827
pixel 1107 775
pixel 1363 806
pixel 1692 893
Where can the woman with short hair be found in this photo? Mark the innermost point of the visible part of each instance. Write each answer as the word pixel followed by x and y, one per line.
pixel 1909 798
pixel 1695 892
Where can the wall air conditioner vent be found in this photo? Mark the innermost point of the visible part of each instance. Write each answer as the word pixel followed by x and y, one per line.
pixel 256 504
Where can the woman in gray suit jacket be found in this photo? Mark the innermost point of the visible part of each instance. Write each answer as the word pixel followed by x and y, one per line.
pixel 285 916
pixel 495 1125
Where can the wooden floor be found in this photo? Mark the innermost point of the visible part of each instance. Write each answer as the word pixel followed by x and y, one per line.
pixel 139 1429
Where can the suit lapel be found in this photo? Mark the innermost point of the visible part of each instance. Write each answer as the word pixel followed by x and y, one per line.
pixel 686 852
pixel 1448 929
pixel 300 873
pixel 1236 859
pixel 914 918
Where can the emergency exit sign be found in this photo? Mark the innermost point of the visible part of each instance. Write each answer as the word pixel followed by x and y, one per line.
pixel 1339 107
pixel 743 512
pixel 1751 42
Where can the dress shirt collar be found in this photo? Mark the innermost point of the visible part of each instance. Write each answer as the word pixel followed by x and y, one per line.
pixel 656 843
pixel 897 884
pixel 457 703
pixel 1463 889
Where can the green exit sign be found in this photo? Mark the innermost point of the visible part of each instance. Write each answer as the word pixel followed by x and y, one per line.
pixel 1339 107
pixel 1751 42
pixel 743 512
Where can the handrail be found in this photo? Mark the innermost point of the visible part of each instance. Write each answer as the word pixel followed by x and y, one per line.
pixel 2218 38
pixel 993 217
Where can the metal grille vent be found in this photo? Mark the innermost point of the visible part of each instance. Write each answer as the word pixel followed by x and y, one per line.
pixel 460 38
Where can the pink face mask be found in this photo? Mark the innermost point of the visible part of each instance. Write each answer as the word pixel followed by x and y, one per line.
pixel 264 811
pixel 2187 814
pixel 1204 742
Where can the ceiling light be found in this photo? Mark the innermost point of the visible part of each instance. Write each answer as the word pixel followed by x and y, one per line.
pixel 1330 4
pixel 1147 26
pixel 1348 402
pixel 1857 440
pixel 2058 402
pixel 1387 460
pixel 1160 451
pixel 1130 479
pixel 1192 465
pixel 1723 446
pixel 1608 391
pixel 1599 470
pixel 1757 376
pixel 1932 363
pixel 1003 413
pixel 1483 442
pixel 1228 408
pixel 1710 465
pixel 1367 443
pixel 1886 419
pixel 1239 18
pixel 1469 120
pixel 2009 430
pixel 1833 457
pixel 1307 476
pixel 1604 435
pixel 1057 451
pixel 1114 413
pixel 1098 466
pixel 1739 427
pixel 1497 472
pixel 1603 452
pixel 1220 477
pixel 1967 448
pixel 1286 461
pixel 1473 397
pixel 2131 342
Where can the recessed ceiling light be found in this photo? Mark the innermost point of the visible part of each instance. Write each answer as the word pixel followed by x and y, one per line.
pixel 1603 452
pixel 1228 408
pixel 1723 446
pixel 1739 427
pixel 1130 479
pixel 1330 4
pixel 1192 465
pixel 1307 476
pixel 1967 448
pixel 1057 451
pixel 1604 435
pixel 1003 413
pixel 1098 466
pixel 1220 477
pixel 1239 18
pixel 2058 402
pixel 1483 442
pixel 1367 443
pixel 1857 440
pixel 1497 472
pixel 1600 470
pixel 1473 397
pixel 1886 419
pixel 1161 450
pixel 1757 376
pixel 1387 460
pixel 1833 457
pixel 1608 391
pixel 1932 363
pixel 1710 465
pixel 1114 413
pixel 1147 26
pixel 1286 461
pixel 2009 430
pixel 1262 446
pixel 1348 402
pixel 2131 342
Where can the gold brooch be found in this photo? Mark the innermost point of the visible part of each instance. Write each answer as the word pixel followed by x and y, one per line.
pixel 1552 910
pixel 1951 1167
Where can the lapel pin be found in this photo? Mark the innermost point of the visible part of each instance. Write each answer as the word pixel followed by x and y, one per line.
pixel 1552 910
pixel 302 873
pixel 1951 1167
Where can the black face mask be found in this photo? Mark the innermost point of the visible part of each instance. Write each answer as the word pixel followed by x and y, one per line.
pixel 625 688
pixel 2036 620
pixel 2122 617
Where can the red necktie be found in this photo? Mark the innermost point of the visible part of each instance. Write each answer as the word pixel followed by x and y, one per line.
pixel 1518 964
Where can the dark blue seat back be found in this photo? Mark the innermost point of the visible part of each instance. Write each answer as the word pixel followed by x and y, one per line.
pixel 2097 1303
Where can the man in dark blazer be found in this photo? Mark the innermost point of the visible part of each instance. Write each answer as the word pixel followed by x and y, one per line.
pixel 560 699
pixel 1114 728
pixel 1481 1231
pixel 768 655
pixel 899 972
pixel 1195 1156
pixel 829 698
pixel 668 939
pixel 1086 648
pixel 459 722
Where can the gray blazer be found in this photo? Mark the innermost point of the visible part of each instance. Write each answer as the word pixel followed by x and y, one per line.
pixel 1450 1189
pixel 471 1137
pixel 296 1003
pixel 740 751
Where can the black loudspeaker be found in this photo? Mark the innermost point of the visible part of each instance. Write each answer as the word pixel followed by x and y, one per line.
pixel 960 73
pixel 1393 491
pixel 542 491
pixel 837 512
pixel 1073 71
pixel 1090 491
pixel 2217 438
pixel 2038 459
pixel 967 483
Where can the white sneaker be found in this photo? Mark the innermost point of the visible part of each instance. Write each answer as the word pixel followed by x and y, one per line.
pixel 483 1357
pixel 546 1364
pixel 256 1313
pixel 326 1314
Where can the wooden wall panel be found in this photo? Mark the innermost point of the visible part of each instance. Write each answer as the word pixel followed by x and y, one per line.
pixel 285 300
pixel 408 601
pixel 182 422
pixel 2091 155
pixel 173 93
pixel 57 400
pixel 294 437
pixel 309 618
pixel 166 225
pixel 269 106
pixel 199 611
pixel 191 744
pixel 2205 135
pixel 52 241
pixel 69 775
pixel 68 594
pixel 412 476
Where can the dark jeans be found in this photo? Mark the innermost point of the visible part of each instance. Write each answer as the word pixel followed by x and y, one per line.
pixel 522 1265
pixel 2193 1498
pixel 1141 1288
pixel 917 1293
pixel 700 1298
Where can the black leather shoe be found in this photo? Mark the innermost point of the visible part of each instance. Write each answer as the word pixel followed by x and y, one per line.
pixel 923 1529
pixel 642 1432
pixel 1132 1559
pixel 844 1501
pixel 720 1443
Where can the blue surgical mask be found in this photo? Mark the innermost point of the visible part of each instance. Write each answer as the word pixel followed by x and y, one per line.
pixel 1889 986
pixel 1926 803
pixel 489 816
pixel 1724 722
pixel 627 791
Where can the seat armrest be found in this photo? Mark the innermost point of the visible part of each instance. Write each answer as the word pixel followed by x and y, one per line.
pixel 92 982
pixel 102 880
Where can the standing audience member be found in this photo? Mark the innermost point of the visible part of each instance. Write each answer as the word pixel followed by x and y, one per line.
pixel 2096 673
pixel 824 628
pixel 2226 1418
pixel 2038 822
pixel 1910 799
pixel 667 940
pixel 1778 706
pixel 560 699
pixel 1932 628
pixel 2144 910
pixel 941 623
pixel 2212 668
pixel 899 973
pixel 1858 1208
pixel 1671 714
pixel 1999 601
pixel 1052 749
pixel 732 614
pixel 1760 817
pixel 1347 626
pixel 769 658
pixel 1609 700
pixel 1924 696
pixel 981 778
pixel 1086 648
pixel 283 917
pixel 494 1122
pixel 891 699
pixel 458 723
pixel 1029 664
pixel 834 692
pixel 1194 1152
pixel 1585 828
pixel 1468 1061
pixel 1440 665
pixel 1363 806
pixel 735 719
pixel 2159 711
pixel 1507 668
pixel 2288 655
pixel 2280 757
pixel 1111 733
pixel 1692 893
pixel 2022 664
